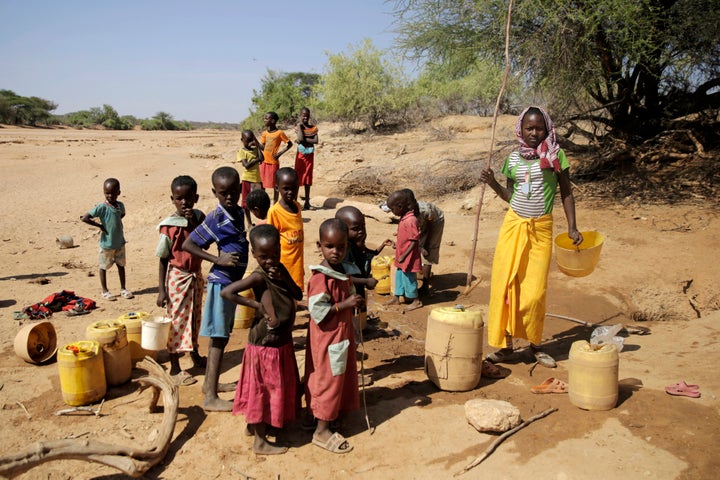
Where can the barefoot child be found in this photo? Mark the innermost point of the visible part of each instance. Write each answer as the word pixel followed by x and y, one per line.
pixel 250 157
pixel 270 142
pixel 407 254
pixel 431 223
pixel 225 227
pixel 267 390
pixel 330 374
pixel 182 270
pixel 285 215
pixel 112 239
pixel 307 139
pixel 258 203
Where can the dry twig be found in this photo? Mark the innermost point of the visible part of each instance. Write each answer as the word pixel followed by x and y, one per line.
pixel 27 414
pixel 502 438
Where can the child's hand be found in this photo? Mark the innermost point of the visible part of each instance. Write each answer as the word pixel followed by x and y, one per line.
pixel 371 283
pixel 274 273
pixel 227 259
pixel 353 301
pixel 423 252
pixel 162 299
pixel 388 243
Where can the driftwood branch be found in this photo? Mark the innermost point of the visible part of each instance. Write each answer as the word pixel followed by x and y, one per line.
pixel 129 460
pixel 502 438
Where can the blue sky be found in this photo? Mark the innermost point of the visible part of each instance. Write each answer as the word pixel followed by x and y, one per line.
pixel 197 60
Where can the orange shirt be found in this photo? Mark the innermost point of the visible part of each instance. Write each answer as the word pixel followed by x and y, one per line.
pixel 290 226
pixel 272 142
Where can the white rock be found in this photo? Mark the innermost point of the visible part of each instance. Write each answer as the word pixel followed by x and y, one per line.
pixel 492 415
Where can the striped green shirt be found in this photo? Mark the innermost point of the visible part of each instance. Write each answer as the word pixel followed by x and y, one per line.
pixel 535 188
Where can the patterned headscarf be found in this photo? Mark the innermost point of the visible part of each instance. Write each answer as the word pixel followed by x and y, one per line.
pixel 547 150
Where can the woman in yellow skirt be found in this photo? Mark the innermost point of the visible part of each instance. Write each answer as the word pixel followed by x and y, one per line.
pixel 524 248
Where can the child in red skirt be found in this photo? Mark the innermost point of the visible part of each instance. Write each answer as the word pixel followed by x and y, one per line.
pixel 267 391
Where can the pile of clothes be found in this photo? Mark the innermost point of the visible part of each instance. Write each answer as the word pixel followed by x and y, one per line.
pixel 65 301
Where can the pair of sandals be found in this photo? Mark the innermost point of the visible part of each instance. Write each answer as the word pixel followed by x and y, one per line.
pixel 507 355
pixel 123 293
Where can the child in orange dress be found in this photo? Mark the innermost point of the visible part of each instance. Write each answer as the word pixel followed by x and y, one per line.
pixel 285 215
pixel 270 142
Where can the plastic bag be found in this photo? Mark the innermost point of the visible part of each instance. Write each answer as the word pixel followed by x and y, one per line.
pixel 608 335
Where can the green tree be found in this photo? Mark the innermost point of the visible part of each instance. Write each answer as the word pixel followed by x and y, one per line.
pixel 630 64
pixel 19 110
pixel 284 94
pixel 362 85
pixel 164 121
pixel 474 92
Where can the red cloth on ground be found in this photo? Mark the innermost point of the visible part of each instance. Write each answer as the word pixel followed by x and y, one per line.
pixel 65 300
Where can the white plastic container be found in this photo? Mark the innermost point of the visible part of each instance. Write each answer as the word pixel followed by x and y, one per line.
pixel 155 333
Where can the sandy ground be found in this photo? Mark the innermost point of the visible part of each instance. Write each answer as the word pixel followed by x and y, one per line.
pixel 656 267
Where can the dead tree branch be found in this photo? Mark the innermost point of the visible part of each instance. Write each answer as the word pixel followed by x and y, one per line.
pixel 129 460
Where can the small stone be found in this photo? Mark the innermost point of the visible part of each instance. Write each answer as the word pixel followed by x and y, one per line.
pixel 492 415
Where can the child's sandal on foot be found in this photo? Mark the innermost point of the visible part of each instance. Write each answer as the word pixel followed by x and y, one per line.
pixel 108 296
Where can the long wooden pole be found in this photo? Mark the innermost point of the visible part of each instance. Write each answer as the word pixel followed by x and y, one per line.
pixel 468 284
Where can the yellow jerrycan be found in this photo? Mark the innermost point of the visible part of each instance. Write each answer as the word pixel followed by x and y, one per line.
pixel 453 348
pixel 82 372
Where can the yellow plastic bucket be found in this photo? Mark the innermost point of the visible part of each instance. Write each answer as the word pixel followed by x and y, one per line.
pixel 82 372
pixel 380 271
pixel 453 348
pixel 112 337
pixel 578 260
pixel 593 376
pixel 133 327
pixel 244 315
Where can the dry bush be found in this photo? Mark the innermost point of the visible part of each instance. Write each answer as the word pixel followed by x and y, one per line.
pixel 365 181
pixel 442 134
pixel 447 177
